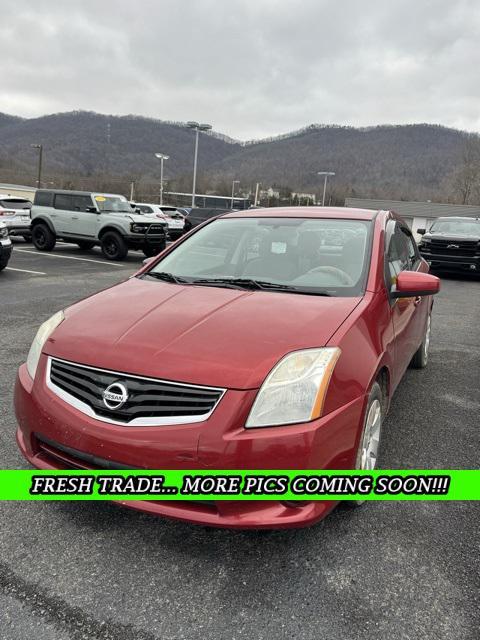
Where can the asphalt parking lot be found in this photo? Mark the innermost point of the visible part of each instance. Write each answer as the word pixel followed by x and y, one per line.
pixel 398 570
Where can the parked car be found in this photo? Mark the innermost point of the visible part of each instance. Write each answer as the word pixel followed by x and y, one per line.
pixel 5 246
pixel 174 219
pixel 246 345
pixel 15 213
pixel 198 216
pixel 90 219
pixel 452 244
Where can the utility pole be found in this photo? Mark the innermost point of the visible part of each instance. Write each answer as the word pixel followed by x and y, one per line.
pixel 132 187
pixel 161 157
pixel 325 174
pixel 234 182
pixel 256 194
pixel 40 160
pixel 197 127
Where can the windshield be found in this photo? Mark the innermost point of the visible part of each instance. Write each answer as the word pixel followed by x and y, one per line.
pixel 302 255
pixel 11 203
pixel 113 204
pixel 461 227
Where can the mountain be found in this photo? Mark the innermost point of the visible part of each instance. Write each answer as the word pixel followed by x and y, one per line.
pixel 393 161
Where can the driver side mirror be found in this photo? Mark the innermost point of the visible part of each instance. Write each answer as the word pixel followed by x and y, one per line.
pixel 92 210
pixel 421 232
pixel 147 261
pixel 411 284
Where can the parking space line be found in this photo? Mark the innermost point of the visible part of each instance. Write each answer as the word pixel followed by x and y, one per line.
pixel 37 273
pixel 56 255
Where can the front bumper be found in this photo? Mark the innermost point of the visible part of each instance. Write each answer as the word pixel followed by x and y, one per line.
pixel 451 262
pixel 221 442
pixel 5 251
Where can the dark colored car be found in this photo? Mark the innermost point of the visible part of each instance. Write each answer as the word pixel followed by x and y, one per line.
pixel 265 339
pixel 452 244
pixel 5 246
pixel 198 216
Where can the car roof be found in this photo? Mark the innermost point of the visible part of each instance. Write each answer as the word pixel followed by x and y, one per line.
pixel 338 213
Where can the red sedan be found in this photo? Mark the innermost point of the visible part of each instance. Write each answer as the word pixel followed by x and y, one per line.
pixel 267 339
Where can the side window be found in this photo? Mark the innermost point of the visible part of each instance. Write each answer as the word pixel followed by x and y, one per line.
pixel 397 253
pixel 82 203
pixel 43 198
pixel 64 201
pixel 413 255
pixel 144 209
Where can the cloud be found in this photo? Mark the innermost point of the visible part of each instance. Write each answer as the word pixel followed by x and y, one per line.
pixel 250 67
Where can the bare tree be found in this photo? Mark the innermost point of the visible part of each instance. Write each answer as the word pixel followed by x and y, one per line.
pixel 466 178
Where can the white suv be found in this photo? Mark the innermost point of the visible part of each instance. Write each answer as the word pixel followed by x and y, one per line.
pixel 15 213
pixel 173 217
pixel 90 219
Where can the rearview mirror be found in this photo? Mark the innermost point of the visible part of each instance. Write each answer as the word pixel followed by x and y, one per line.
pixel 412 284
pixel 421 231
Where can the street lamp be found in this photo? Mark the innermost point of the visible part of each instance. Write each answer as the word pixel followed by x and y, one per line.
pixel 234 182
pixel 197 127
pixel 161 157
pixel 326 174
pixel 40 158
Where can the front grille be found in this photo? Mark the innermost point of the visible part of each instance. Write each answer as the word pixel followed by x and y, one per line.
pixel 453 247
pixel 69 458
pixel 150 401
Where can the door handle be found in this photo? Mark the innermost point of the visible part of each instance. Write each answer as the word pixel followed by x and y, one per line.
pixel 417 301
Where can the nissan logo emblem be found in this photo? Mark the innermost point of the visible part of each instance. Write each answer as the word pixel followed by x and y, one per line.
pixel 115 396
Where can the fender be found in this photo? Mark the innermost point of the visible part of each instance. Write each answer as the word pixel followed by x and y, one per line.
pixel 111 227
pixel 46 221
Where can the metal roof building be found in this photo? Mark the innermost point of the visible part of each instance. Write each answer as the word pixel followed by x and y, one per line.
pixel 417 215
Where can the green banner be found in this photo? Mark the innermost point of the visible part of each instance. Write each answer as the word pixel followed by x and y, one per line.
pixel 240 485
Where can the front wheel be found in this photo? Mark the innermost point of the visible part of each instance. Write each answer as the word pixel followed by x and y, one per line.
pixel 114 246
pixel 420 359
pixel 43 238
pixel 369 444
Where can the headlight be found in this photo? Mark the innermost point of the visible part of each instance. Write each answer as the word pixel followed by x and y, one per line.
pixel 295 389
pixel 46 329
pixel 4 232
pixel 138 228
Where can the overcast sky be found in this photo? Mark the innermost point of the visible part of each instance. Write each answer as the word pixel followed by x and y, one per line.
pixel 252 68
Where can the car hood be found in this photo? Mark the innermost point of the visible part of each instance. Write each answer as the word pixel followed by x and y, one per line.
pixel 201 335
pixel 451 236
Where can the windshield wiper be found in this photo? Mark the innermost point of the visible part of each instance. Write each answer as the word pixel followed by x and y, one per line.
pixel 167 277
pixel 260 285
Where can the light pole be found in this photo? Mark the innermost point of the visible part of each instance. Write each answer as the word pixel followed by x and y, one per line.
pixel 234 182
pixel 40 159
pixel 326 174
pixel 161 157
pixel 197 127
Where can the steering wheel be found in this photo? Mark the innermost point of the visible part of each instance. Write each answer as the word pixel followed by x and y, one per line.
pixel 341 276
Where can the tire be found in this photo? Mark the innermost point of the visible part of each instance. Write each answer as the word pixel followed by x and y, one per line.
pixel 420 359
pixel 3 265
pixel 43 239
pixel 85 245
pixel 114 246
pixel 369 443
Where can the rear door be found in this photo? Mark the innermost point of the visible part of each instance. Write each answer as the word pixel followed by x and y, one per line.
pixel 407 313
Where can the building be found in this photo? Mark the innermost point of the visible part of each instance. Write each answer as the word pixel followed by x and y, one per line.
pixel 17 190
pixel 418 215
